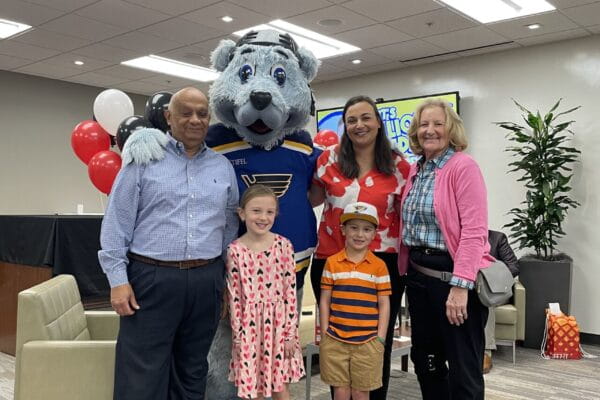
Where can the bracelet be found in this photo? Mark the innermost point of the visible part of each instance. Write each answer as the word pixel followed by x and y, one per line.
pixel 381 340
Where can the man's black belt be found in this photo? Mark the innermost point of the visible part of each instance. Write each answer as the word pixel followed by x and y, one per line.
pixel 186 264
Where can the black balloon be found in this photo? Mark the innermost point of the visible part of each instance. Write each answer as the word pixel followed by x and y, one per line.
pixel 128 126
pixel 155 108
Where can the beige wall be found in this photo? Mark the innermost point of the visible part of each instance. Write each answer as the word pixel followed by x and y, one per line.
pixel 536 77
pixel 39 173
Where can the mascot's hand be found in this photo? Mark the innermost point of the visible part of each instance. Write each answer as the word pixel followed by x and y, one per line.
pixel 145 145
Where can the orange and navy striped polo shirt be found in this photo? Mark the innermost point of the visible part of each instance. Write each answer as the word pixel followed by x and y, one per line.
pixel 354 313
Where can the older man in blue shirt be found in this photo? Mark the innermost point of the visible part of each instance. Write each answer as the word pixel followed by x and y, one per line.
pixel 164 230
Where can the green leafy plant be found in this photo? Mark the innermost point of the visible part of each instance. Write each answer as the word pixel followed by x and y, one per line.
pixel 543 157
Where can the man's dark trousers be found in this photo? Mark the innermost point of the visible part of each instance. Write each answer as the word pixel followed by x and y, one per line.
pixel 162 348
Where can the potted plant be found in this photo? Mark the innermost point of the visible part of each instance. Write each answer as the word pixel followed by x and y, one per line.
pixel 543 157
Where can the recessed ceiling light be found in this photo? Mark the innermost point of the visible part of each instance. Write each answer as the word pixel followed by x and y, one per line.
pixel 322 46
pixel 78 62
pixel 534 26
pixel 486 11
pixel 227 18
pixel 10 28
pixel 173 67
pixel 357 61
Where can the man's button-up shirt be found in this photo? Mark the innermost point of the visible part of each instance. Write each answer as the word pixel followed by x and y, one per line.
pixel 178 208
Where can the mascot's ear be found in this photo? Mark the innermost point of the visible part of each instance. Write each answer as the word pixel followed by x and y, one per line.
pixel 308 63
pixel 221 56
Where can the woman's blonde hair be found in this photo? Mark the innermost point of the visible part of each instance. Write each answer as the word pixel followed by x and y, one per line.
pixel 454 126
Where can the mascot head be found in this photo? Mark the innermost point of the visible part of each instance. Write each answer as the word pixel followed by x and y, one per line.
pixel 263 91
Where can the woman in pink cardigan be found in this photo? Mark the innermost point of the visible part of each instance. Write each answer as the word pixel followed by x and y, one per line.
pixel 444 231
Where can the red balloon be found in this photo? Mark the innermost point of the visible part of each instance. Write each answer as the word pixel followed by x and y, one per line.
pixel 88 138
pixel 326 138
pixel 103 169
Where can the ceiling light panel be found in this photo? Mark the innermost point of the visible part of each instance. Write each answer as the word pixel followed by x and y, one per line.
pixel 486 11
pixel 322 46
pixel 173 67
pixel 10 28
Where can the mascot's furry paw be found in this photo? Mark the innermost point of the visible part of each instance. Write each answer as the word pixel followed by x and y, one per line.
pixel 145 145
pixel 218 386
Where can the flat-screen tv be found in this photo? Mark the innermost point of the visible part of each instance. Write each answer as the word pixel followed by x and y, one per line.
pixel 396 115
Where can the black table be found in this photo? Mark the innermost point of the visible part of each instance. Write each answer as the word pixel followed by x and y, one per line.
pixel 68 244
pixel 33 248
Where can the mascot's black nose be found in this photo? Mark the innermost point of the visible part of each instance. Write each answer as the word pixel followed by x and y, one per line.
pixel 260 100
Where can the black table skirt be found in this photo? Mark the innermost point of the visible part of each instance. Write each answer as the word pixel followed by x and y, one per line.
pixel 68 244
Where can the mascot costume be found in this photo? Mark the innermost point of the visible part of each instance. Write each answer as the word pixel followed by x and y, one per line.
pixel 263 100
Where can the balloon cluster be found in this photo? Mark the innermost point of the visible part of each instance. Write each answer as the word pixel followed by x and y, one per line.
pixel 326 138
pixel 113 116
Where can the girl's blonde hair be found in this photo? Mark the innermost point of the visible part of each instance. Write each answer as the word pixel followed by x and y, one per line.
pixel 454 126
pixel 257 190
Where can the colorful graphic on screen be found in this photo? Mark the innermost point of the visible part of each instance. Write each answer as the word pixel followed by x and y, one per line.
pixel 396 115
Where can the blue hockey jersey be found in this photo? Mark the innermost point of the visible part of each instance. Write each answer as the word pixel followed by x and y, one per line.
pixel 288 170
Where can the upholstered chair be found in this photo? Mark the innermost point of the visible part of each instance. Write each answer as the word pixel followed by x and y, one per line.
pixel 510 320
pixel 63 352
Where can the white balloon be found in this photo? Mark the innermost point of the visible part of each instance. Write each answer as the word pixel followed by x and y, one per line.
pixel 110 108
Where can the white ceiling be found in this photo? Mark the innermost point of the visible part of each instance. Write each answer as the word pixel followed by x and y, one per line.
pixel 392 33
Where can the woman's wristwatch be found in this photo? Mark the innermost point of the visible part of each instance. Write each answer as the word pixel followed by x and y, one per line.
pixel 381 340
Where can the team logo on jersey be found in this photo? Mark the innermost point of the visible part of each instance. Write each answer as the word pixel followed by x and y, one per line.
pixel 279 183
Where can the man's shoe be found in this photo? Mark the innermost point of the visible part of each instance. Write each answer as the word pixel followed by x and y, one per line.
pixel 487 363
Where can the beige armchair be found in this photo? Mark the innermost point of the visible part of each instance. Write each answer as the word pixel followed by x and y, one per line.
pixel 63 352
pixel 510 319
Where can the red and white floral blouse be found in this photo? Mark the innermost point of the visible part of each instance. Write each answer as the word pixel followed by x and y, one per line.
pixel 382 191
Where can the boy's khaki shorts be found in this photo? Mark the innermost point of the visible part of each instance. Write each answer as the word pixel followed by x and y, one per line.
pixel 358 366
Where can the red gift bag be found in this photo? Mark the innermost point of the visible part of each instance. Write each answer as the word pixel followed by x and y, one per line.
pixel 561 337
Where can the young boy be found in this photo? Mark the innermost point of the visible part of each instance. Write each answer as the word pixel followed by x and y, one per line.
pixel 354 309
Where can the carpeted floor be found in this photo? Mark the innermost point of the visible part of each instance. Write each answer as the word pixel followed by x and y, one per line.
pixel 7 376
pixel 531 378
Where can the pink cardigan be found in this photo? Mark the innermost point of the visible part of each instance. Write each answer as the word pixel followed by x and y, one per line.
pixel 460 206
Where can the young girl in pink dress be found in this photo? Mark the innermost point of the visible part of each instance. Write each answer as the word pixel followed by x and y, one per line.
pixel 261 291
